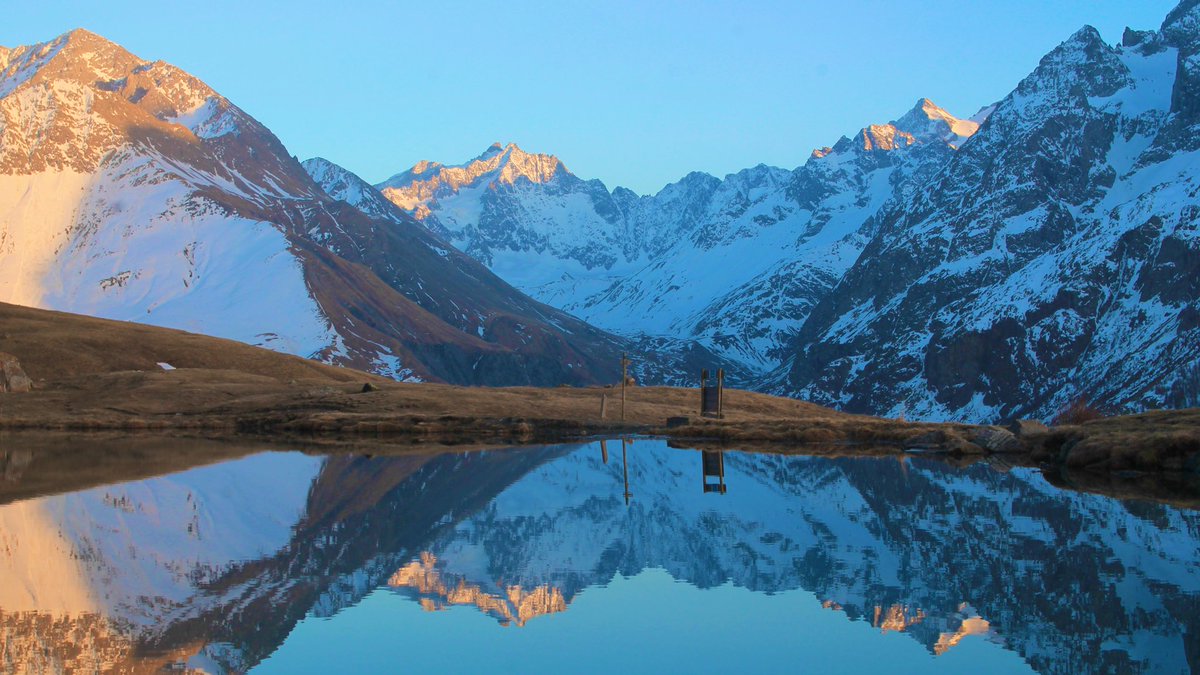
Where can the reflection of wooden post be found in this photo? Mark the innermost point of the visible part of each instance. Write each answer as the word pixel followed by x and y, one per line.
pixel 625 466
pixel 712 465
pixel 604 451
pixel 603 405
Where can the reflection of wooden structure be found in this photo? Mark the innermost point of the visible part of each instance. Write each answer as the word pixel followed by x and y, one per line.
pixel 712 463
pixel 712 398
pixel 626 442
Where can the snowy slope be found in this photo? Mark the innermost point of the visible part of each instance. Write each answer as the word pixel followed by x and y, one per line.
pixel 1055 256
pixel 91 223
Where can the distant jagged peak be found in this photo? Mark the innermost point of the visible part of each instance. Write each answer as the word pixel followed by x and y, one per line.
pixel 507 163
pixel 515 163
pixel 929 122
pixel 884 137
pixel 498 164
pixel 926 122
pixel 493 150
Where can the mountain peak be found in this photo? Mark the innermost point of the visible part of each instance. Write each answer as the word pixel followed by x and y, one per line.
pixel 499 164
pixel 1182 25
pixel 927 121
pixel 493 150
pixel 84 41
pixel 514 164
pixel 83 34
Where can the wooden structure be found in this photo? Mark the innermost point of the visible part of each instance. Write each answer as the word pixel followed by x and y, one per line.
pixel 624 381
pixel 712 464
pixel 712 398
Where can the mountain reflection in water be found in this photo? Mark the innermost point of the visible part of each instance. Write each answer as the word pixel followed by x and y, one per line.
pixel 281 559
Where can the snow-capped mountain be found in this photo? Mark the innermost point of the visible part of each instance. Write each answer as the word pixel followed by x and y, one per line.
pixel 187 568
pixel 131 190
pixel 525 216
pixel 1056 254
pixel 734 264
pixel 769 244
pixel 664 359
pixel 946 268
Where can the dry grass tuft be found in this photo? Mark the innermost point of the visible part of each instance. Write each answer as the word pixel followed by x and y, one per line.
pixel 1077 412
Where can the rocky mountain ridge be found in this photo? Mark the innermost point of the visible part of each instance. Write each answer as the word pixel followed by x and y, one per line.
pixel 730 264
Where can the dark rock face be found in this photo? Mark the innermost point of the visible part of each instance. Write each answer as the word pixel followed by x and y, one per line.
pixel 12 376
pixel 1056 254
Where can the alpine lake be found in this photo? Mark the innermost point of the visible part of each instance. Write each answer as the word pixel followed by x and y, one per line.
pixel 602 556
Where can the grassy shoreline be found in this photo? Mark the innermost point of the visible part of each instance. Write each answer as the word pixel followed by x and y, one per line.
pixel 96 375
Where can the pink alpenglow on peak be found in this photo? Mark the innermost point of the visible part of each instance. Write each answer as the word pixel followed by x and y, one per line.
pixel 412 190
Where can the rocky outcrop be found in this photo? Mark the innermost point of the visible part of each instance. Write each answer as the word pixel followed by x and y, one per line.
pixel 995 439
pixel 12 376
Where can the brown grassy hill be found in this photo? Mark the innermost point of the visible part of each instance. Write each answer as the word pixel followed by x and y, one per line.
pixel 52 346
pixel 97 374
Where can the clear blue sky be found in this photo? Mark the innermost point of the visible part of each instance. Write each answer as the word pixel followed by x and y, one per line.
pixel 635 93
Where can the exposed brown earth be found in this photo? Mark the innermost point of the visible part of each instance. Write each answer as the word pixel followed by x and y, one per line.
pixel 97 375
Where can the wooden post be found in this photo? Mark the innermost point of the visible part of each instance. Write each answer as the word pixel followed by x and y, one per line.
pixel 604 451
pixel 720 393
pixel 603 405
pixel 624 380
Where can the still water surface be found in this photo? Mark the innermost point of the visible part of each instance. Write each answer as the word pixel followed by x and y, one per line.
pixel 583 558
